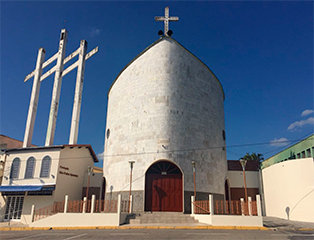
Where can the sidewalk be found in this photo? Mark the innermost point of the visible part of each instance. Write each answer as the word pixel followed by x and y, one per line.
pixel 270 223
pixel 283 224
pixel 12 224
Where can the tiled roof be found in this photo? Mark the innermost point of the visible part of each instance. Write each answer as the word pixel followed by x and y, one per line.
pixel 235 165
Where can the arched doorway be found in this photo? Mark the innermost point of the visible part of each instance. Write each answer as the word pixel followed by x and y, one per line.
pixel 163 188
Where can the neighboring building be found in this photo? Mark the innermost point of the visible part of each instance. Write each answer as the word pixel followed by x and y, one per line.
pixel 288 181
pixel 235 180
pixel 96 184
pixel 302 149
pixel 6 143
pixel 42 175
pixel 165 110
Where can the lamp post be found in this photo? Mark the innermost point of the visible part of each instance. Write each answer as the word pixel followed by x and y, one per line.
pixel 89 171
pixel 131 168
pixel 194 164
pixel 243 164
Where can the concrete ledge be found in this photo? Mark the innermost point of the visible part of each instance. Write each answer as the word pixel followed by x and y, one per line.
pixel 144 227
pixel 79 220
pixel 229 220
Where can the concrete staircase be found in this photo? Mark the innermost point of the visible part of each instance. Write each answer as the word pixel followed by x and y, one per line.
pixel 160 217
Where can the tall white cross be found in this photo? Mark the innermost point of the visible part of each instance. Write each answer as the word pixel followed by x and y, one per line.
pixel 59 73
pixel 166 20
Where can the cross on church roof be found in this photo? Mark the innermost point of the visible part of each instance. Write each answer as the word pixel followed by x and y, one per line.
pixel 166 20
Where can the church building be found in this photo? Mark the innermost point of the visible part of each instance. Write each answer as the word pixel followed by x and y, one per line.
pixel 165 119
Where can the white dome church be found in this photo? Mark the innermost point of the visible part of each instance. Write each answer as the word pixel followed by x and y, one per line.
pixel 165 110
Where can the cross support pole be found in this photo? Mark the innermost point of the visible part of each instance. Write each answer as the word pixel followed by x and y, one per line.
pixel 60 72
pixel 29 129
pixel 78 93
pixel 56 89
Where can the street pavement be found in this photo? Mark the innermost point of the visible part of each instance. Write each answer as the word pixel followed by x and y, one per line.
pixel 283 224
pixel 275 228
pixel 155 234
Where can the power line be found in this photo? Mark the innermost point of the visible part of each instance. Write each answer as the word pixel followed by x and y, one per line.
pixel 179 150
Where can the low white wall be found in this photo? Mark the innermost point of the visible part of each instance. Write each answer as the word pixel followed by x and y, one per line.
pixel 289 189
pixel 38 201
pixel 203 218
pixel 80 220
pixel 229 220
pixel 123 218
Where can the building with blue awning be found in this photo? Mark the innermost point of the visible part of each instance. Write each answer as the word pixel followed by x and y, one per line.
pixel 41 176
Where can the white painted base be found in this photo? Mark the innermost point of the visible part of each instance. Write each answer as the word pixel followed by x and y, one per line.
pixel 229 220
pixel 80 220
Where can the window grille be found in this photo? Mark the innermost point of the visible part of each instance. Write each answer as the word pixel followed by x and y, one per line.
pixel 15 167
pixel 30 166
pixel 45 167
pixel 13 208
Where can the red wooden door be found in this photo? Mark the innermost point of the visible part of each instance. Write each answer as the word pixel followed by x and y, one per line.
pixel 164 190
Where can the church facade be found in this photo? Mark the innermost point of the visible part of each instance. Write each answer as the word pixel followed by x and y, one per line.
pixel 165 111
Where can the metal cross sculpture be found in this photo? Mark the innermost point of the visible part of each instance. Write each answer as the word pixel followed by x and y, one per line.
pixel 166 20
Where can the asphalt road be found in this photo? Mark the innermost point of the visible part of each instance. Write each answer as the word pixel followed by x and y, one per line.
pixel 155 234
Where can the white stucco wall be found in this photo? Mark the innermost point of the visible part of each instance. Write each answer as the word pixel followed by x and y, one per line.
pixel 236 179
pixel 289 189
pixel 38 201
pixel 229 220
pixel 73 165
pixel 80 220
pixel 38 154
pixel 166 97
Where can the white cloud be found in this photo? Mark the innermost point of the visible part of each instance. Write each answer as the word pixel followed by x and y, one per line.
pixel 101 155
pixel 299 124
pixel 307 112
pixel 279 142
pixel 95 32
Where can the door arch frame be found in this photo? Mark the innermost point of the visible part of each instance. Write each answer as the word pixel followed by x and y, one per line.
pixel 145 179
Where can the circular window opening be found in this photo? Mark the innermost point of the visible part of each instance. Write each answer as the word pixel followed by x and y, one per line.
pixel 224 135
pixel 108 133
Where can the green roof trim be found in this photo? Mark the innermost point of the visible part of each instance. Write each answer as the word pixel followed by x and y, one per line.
pixel 155 43
pixel 295 151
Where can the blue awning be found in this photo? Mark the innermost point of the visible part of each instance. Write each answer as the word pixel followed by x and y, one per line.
pixel 24 188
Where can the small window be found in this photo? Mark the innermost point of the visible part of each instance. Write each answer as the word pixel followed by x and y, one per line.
pixel 108 133
pixel 45 167
pixel 30 166
pixel 308 151
pixel 15 168
pixel 224 135
pixel 303 154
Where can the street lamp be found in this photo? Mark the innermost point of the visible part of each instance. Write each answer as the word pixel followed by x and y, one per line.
pixel 243 164
pixel 131 168
pixel 194 164
pixel 89 171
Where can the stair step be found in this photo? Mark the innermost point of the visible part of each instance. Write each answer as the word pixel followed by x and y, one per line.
pixel 160 217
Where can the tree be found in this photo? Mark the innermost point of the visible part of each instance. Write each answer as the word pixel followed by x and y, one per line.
pixel 254 157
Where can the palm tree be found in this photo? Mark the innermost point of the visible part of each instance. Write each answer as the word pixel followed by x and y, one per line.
pixel 254 157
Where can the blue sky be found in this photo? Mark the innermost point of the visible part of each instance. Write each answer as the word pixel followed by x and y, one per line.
pixel 262 53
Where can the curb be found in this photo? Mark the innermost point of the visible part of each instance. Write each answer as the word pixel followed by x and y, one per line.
pixel 142 227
